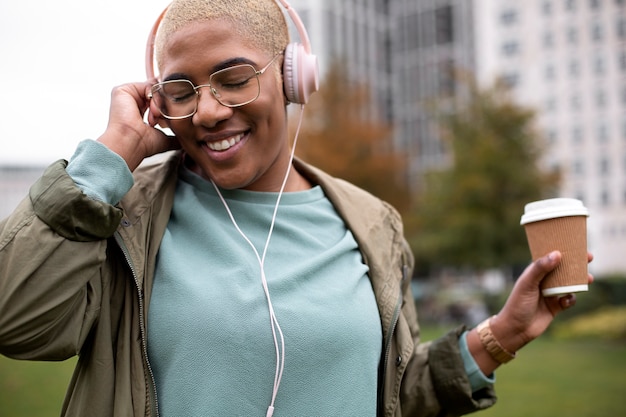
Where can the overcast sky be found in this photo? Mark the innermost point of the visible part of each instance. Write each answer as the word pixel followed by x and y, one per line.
pixel 58 62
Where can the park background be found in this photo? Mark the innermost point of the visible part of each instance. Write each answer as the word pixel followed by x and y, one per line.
pixel 462 218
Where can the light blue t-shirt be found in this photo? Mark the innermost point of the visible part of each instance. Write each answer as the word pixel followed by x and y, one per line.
pixel 209 334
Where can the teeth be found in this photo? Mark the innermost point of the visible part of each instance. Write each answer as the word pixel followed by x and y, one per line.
pixel 225 144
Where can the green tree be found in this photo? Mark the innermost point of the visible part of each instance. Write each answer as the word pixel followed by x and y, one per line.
pixel 339 136
pixel 468 215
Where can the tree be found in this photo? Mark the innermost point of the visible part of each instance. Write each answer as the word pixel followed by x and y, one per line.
pixel 468 215
pixel 338 137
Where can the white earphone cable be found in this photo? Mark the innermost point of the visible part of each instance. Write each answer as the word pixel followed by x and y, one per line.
pixel 279 348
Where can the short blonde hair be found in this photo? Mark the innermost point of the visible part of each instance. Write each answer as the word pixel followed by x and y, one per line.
pixel 262 22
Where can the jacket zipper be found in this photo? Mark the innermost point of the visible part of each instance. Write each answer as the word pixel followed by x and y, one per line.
pixel 144 344
pixel 390 332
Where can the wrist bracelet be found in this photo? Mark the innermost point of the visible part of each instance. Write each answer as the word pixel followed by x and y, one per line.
pixel 491 344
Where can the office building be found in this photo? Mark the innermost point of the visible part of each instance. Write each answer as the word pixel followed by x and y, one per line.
pixel 566 58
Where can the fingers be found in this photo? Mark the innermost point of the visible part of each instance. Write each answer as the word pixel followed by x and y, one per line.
pixel 537 270
pixel 567 301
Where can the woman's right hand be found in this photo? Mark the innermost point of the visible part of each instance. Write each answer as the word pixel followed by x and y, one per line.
pixel 127 134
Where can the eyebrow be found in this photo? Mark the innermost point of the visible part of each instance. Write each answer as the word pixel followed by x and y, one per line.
pixel 220 66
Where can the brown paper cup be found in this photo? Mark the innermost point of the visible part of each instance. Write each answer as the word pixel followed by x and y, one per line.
pixel 559 224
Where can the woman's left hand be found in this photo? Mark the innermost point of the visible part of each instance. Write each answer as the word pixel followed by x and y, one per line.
pixel 527 313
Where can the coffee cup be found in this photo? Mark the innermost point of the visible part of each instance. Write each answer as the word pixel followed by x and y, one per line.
pixel 559 224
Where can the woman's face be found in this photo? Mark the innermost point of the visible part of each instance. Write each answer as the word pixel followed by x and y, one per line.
pixel 244 147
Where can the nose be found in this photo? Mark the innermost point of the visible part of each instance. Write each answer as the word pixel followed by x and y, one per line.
pixel 209 111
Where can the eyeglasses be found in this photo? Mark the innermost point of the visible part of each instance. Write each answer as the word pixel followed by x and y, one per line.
pixel 232 87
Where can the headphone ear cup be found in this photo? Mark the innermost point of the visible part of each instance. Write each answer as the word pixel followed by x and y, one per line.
pixel 300 74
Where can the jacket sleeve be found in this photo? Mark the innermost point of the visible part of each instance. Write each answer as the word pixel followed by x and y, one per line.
pixel 435 381
pixel 51 251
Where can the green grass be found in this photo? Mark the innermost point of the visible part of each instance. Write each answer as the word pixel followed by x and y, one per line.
pixel 581 378
pixel 33 389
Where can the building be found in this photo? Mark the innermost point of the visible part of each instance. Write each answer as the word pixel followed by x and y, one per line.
pixel 566 58
pixel 406 51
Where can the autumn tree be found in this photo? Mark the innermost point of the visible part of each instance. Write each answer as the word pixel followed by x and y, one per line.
pixel 339 136
pixel 468 214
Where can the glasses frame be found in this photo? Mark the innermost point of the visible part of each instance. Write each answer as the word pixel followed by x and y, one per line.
pixel 214 91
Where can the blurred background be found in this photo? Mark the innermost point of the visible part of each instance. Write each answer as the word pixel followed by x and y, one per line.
pixel 458 112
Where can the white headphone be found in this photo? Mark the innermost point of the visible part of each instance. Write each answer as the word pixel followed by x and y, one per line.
pixel 300 68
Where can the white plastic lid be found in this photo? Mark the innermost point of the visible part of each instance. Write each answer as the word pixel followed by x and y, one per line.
pixel 553 208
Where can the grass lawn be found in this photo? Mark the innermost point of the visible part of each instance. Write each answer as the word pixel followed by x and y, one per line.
pixel 549 378
pixel 563 378
pixel 33 389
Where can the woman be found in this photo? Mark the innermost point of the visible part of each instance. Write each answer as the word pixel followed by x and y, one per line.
pixel 227 278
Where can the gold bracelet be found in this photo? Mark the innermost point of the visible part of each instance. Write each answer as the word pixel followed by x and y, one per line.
pixel 491 344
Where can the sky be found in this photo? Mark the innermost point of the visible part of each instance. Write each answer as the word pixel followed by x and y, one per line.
pixel 59 61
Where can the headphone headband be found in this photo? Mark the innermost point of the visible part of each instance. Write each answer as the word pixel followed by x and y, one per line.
pixel 300 68
pixel 150 45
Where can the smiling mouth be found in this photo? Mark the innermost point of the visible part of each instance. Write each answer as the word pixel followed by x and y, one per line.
pixel 225 144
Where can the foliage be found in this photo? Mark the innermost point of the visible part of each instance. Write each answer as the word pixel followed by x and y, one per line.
pixel 608 323
pixel 606 291
pixel 340 136
pixel 468 214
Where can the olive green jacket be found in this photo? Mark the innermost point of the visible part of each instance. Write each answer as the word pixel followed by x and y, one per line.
pixel 76 278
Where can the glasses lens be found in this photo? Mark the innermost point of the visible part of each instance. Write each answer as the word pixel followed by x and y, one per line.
pixel 236 86
pixel 175 98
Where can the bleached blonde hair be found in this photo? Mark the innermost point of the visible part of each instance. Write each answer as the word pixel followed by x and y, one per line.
pixel 261 22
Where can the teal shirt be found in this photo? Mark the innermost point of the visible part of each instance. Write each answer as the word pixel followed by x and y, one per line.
pixel 209 335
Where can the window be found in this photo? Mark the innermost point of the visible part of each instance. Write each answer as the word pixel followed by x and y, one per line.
pixel 603 133
pixel 444 24
pixel 600 99
pixel 577 135
pixel 510 48
pixel 621 28
pixel 446 87
pixel 575 102
pixel 508 17
pixel 598 65
pixel 548 40
pixel 596 32
pixel 572 36
pixel 622 62
pixel 604 198
pixel 546 7
pixel 594 4
pixel 570 5
pixel 604 166
pixel 511 79
pixel 574 67
pixel 550 72
pixel 552 136
pixel 578 168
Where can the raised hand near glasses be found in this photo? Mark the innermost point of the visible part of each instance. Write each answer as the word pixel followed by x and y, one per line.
pixel 127 134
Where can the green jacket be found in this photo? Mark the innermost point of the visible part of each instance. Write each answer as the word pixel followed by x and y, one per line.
pixel 76 278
